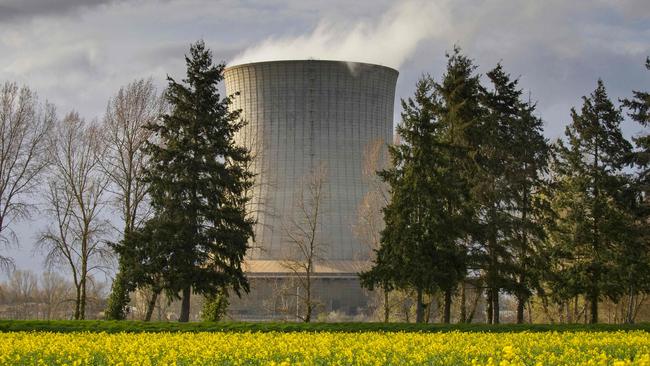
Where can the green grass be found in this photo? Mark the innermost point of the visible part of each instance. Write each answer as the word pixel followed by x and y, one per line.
pixel 138 326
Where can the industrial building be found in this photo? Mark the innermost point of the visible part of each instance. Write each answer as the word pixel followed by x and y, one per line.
pixel 305 116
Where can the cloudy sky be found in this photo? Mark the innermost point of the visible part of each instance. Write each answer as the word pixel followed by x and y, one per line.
pixel 77 53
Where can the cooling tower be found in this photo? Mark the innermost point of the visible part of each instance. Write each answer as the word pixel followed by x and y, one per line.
pixel 302 117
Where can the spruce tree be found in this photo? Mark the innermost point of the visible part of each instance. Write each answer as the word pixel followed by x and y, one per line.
pixel 511 158
pixel 635 259
pixel 459 113
pixel 591 221
pixel 198 180
pixel 420 248
pixel 526 175
pixel 491 190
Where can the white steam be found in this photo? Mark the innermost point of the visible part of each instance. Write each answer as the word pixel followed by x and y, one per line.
pixel 388 41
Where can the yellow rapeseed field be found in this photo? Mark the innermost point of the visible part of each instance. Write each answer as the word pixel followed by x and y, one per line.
pixel 455 348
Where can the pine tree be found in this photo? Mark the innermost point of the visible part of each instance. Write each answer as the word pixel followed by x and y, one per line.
pixel 460 113
pixel 419 245
pixel 591 221
pixel 635 259
pixel 197 183
pixel 491 190
pixel 530 156
pixel 511 159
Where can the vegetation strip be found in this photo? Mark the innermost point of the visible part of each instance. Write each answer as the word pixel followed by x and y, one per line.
pixel 64 326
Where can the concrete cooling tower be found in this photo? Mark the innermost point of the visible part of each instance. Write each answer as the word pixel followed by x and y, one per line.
pixel 308 120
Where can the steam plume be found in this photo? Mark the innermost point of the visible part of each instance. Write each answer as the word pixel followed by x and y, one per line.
pixel 389 41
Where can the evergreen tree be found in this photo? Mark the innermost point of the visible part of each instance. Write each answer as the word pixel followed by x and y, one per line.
pixel 529 164
pixel 197 181
pixel 144 261
pixel 511 158
pixel 639 111
pixel 491 190
pixel 419 245
pixel 591 221
pixel 459 113
pixel 636 258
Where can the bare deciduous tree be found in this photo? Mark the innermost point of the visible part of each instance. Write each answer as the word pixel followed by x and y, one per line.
pixel 370 217
pixel 23 287
pixel 55 292
pixel 304 235
pixel 24 130
pixel 129 111
pixel 75 199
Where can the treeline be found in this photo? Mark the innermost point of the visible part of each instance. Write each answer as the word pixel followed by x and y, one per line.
pixel 165 163
pixel 475 204
pixel 480 199
pixel 47 296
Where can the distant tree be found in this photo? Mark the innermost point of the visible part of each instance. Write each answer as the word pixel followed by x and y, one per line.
pixel 198 183
pixel 75 198
pixel 303 232
pixel 25 127
pixel 129 111
pixel 23 290
pixel 591 220
pixel 370 220
pixel 55 292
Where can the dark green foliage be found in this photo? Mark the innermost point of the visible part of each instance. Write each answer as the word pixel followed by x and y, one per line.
pixel 592 221
pixel 215 306
pixel 635 258
pixel 119 297
pixel 426 218
pixel 510 157
pixel 64 326
pixel 144 253
pixel 197 182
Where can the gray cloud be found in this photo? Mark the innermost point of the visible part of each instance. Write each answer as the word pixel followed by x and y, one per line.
pixel 20 10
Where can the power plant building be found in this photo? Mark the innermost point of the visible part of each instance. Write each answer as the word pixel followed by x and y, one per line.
pixel 307 120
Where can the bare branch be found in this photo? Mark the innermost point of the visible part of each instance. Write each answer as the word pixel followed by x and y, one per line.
pixel 303 234
pixel 75 198
pixel 25 127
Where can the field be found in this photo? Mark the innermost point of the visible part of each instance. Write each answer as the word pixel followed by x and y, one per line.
pixel 325 347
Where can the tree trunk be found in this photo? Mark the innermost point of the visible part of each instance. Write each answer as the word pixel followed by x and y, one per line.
pixel 447 314
pixel 419 308
pixel 495 308
pixel 594 308
pixel 386 307
pixel 629 316
pixel 521 303
pixel 472 312
pixel 77 302
pixel 151 305
pixel 308 297
pixel 488 306
pixel 185 305
pixel 82 300
pixel 463 303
